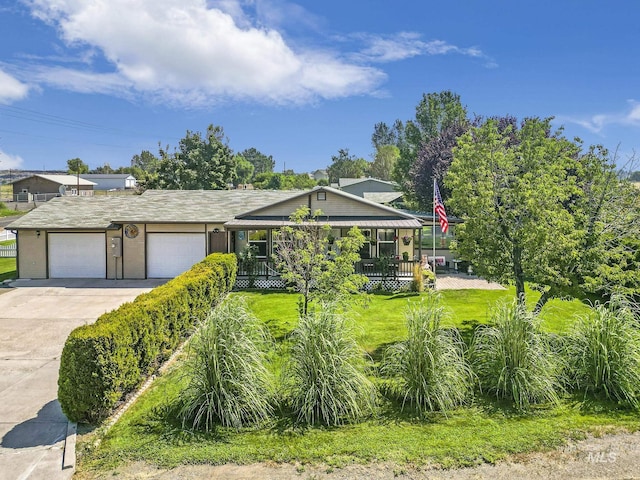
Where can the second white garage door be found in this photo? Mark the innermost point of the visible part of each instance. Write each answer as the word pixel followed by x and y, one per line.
pixel 77 255
pixel 170 254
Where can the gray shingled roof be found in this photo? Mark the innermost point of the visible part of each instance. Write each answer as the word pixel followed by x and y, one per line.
pixel 154 206
pixel 72 212
pixel 197 206
pixel 172 206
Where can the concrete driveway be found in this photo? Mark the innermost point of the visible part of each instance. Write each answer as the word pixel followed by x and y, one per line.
pixel 36 316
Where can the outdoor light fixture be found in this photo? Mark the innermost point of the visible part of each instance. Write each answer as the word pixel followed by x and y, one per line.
pixel 38 233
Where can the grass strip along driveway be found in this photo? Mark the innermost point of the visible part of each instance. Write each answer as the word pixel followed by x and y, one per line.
pixel 484 431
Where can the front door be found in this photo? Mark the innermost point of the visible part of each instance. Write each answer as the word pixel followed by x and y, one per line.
pixel 217 242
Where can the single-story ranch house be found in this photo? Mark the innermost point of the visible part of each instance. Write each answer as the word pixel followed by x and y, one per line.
pixel 160 234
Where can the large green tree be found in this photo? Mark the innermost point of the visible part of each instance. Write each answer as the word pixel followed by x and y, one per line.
pixel 344 165
pixel 383 134
pixel 283 181
pixel 199 162
pixel 539 209
pixel 514 199
pixel 244 169
pixel 146 161
pixel 384 161
pixel 76 166
pixel 261 163
pixel 435 112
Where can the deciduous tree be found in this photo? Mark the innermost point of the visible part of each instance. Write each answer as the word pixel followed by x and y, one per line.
pixel 205 163
pixel 385 135
pixel 384 161
pixel 244 169
pixel 346 166
pixel 435 112
pixel 76 165
pixel 261 163
pixel 310 267
pixel 513 198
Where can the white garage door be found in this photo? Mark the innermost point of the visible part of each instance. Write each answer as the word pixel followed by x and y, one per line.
pixel 170 254
pixel 77 255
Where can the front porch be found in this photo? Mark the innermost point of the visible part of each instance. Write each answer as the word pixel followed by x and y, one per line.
pixel 390 273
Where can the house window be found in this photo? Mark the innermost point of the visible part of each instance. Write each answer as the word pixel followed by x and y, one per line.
pixel 365 251
pixel 386 242
pixel 321 195
pixel 442 240
pixel 258 238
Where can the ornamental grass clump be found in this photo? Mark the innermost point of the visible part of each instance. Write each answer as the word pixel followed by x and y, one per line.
pixel 513 359
pixel 228 382
pixel 428 369
pixel 604 353
pixel 325 376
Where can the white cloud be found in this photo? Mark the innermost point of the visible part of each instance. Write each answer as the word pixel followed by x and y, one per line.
pixel 10 161
pixel 194 52
pixel 11 89
pixel 598 122
pixel 390 48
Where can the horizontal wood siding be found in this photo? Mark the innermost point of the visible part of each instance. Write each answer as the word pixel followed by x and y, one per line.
pixel 333 206
pixel 284 209
pixel 339 206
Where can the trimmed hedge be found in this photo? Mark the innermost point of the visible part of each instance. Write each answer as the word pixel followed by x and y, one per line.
pixel 104 361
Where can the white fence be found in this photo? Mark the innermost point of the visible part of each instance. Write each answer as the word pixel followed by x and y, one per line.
pixel 8 251
pixel 7 235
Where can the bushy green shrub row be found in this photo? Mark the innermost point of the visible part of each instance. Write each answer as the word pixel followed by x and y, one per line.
pixel 104 361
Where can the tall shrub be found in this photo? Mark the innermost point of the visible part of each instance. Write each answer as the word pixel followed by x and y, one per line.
pixel 604 353
pixel 429 365
pixel 229 384
pixel 325 376
pixel 103 362
pixel 513 358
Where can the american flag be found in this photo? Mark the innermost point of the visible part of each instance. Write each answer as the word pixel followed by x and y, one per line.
pixel 439 209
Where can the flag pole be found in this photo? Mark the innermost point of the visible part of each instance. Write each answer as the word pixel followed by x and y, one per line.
pixel 433 227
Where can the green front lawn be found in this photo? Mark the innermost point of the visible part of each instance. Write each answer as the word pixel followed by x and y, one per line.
pixel 482 432
pixel 7 265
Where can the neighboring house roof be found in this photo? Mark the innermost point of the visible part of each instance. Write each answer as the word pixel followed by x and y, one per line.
pixel 383 197
pixel 345 182
pixel 104 176
pixel 70 180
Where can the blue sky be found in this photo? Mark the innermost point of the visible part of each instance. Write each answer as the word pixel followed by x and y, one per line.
pixel 103 80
